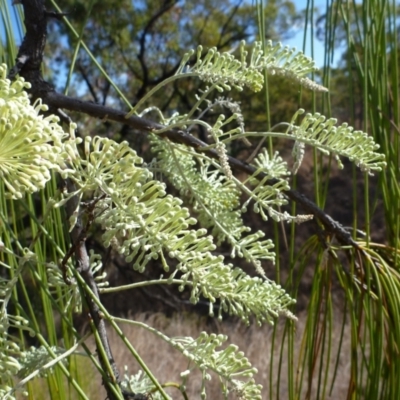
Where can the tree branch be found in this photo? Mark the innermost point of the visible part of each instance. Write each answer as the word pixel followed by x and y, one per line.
pixel 179 136
pixel 32 50
pixel 78 236
pixel 85 77
pixel 141 56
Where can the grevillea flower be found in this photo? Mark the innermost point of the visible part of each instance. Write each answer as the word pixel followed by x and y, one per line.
pixel 30 144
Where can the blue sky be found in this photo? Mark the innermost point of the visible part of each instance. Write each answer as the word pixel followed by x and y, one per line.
pixel 297 40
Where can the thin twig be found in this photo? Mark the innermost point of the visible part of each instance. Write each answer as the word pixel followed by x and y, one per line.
pixel 31 51
pixel 179 136
pixel 78 236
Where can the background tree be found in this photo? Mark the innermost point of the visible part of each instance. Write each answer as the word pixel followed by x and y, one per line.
pixel 141 45
pixel 369 279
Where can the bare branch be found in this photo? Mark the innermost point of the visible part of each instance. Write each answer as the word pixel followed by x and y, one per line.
pixel 141 57
pixel 78 236
pixel 179 136
pixel 32 48
pixel 85 77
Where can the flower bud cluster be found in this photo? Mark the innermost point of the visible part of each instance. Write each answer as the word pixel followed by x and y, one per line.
pixel 224 70
pixel 68 294
pixel 230 363
pixel 223 197
pixel 212 208
pixel 298 153
pixel 30 144
pixel 10 351
pixel 291 64
pixel 342 140
pixel 267 196
pixel 234 108
pixel 143 223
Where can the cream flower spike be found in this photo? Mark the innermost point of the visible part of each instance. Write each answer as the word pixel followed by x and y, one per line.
pixel 30 144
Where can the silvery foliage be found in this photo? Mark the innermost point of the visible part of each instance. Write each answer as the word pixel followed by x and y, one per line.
pixel 142 222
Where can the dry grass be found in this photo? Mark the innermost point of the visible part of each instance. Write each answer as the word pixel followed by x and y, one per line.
pixel 166 363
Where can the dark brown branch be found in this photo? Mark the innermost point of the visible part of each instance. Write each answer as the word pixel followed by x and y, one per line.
pixel 32 51
pixel 28 65
pixel 30 54
pixel 78 236
pixel 85 77
pixel 141 56
pixel 178 136
pixel 224 27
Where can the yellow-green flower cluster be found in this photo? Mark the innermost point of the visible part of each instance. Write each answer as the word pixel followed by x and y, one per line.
pixel 291 64
pixel 30 144
pixel 223 197
pixel 343 140
pixel 142 223
pixel 234 369
pixel 224 70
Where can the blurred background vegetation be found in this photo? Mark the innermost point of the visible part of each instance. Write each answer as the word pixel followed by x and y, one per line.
pixel 346 342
